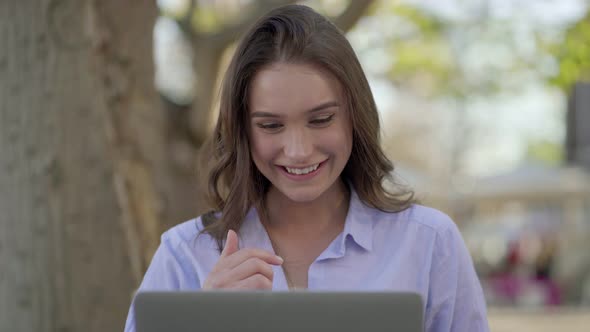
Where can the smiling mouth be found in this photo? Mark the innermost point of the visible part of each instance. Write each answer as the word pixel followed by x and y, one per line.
pixel 302 171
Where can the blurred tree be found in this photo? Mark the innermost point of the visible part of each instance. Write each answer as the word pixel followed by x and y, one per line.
pixel 548 153
pixel 93 169
pixel 427 61
pixel 75 100
pixel 472 57
pixel 573 55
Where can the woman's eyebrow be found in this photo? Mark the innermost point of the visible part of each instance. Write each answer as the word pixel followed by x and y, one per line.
pixel 264 115
pixel 318 108
pixel 323 106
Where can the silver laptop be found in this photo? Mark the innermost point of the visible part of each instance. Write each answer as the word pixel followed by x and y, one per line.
pixel 278 311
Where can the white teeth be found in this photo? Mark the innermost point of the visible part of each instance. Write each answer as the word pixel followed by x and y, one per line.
pixel 301 171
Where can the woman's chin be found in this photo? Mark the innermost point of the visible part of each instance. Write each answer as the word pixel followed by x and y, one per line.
pixel 301 195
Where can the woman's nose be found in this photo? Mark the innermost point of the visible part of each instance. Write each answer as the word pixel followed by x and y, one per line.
pixel 298 144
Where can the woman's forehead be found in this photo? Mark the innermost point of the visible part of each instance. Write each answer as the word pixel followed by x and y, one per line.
pixel 283 87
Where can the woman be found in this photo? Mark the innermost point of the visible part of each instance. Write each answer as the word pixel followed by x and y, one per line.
pixel 297 186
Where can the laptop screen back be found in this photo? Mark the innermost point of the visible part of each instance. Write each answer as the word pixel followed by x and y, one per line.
pixel 278 311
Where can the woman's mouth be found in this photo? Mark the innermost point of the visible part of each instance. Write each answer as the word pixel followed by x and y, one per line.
pixel 302 173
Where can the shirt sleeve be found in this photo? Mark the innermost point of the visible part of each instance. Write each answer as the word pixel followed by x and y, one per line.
pixel 455 298
pixel 168 270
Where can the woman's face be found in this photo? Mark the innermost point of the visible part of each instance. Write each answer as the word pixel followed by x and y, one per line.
pixel 299 130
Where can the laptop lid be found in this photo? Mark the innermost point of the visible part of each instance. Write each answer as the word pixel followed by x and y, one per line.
pixel 278 311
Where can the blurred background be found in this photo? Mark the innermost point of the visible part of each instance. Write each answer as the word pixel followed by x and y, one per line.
pixel 104 105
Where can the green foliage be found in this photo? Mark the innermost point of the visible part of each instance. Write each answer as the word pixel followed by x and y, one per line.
pixel 428 62
pixel 574 55
pixel 331 8
pixel 206 19
pixel 428 25
pixel 422 55
pixel 215 16
pixel 176 12
pixel 425 63
pixel 549 153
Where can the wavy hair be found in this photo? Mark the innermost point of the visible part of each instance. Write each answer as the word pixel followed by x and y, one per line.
pixel 291 34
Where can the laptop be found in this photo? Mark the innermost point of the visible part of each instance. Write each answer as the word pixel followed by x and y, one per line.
pixel 214 311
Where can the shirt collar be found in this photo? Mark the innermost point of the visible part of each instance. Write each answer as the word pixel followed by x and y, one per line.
pixel 358 226
pixel 359 223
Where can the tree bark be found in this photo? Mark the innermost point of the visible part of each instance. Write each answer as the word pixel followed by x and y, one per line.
pixel 121 46
pixel 64 263
pixel 156 182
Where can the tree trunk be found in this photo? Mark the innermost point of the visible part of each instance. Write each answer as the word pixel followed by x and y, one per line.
pixel 63 257
pixel 154 189
pixel 122 63
pixel 206 67
pixel 155 177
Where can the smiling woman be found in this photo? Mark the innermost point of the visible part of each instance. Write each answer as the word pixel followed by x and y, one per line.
pixel 297 184
pixel 295 76
pixel 300 136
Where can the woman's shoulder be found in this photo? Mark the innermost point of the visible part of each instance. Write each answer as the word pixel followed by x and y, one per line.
pixel 445 230
pixel 430 217
pixel 422 217
pixel 413 216
pixel 434 229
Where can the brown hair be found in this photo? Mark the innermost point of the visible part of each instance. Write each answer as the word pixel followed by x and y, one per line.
pixel 291 34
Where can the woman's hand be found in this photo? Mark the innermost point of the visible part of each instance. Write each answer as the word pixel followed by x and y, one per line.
pixel 242 269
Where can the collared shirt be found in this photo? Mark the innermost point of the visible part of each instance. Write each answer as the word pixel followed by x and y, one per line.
pixel 419 250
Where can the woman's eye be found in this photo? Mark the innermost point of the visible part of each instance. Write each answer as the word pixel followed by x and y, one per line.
pixel 322 120
pixel 270 126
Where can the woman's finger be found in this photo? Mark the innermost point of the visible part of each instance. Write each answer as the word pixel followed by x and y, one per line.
pixel 231 244
pixel 250 267
pixel 256 281
pixel 237 258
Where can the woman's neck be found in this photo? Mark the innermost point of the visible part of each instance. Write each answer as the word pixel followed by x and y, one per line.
pixel 327 211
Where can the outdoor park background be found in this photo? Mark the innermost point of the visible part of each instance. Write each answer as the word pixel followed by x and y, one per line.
pixel 104 105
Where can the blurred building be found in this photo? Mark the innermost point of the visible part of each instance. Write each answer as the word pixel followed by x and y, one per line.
pixel 528 230
pixel 532 224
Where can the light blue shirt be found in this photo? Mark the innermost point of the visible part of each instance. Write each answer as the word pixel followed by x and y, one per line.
pixel 419 250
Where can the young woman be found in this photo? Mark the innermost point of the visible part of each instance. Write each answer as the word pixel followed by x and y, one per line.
pixel 297 181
